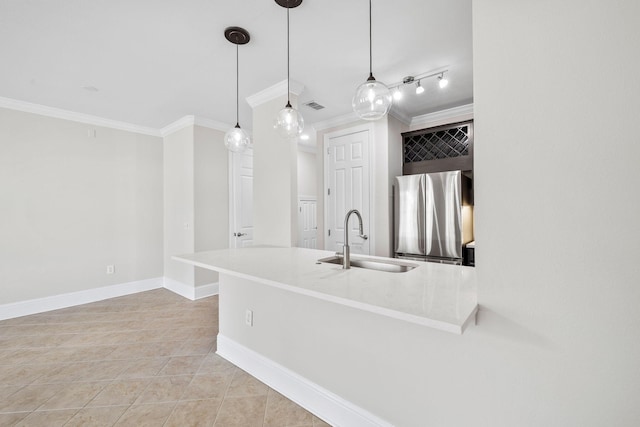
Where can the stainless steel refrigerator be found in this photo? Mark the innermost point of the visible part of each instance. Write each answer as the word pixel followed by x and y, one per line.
pixel 428 217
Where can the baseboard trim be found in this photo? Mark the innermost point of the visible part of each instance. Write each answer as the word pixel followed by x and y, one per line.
pixel 207 290
pixel 320 401
pixel 191 292
pixel 56 302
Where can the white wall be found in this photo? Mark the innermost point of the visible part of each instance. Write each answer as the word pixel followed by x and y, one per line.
pixel 211 196
pixel 196 188
pixel 179 215
pixel 307 174
pixel 71 204
pixel 275 191
pixel 555 161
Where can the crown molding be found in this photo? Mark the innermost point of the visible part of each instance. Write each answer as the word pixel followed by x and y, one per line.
pixel 272 92
pixel 58 113
pixel 400 116
pixel 181 123
pixel 213 124
pixel 337 121
pixel 463 112
pixel 194 121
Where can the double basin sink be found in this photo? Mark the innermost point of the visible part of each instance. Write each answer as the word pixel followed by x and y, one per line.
pixel 390 266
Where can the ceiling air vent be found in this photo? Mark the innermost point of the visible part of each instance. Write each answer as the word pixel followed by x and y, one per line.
pixel 314 105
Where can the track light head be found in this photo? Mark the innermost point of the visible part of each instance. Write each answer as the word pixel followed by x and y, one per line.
pixel 419 88
pixel 442 81
pixel 397 94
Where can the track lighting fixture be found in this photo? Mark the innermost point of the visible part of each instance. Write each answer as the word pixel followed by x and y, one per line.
pixel 410 80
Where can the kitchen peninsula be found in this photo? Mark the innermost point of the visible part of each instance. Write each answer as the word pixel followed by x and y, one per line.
pixel 324 336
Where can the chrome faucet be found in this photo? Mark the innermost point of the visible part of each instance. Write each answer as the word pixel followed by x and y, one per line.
pixel 346 252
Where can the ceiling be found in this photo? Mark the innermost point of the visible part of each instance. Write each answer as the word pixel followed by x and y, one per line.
pixel 153 62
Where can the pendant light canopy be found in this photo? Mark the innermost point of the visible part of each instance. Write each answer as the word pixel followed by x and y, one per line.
pixel 372 99
pixel 236 139
pixel 289 121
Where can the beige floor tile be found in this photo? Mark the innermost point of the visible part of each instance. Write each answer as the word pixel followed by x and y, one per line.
pixel 97 417
pixel 241 411
pixel 213 363
pixel 12 419
pixel 244 384
pixel 96 353
pixel 208 386
pixel 142 350
pixel 102 370
pixel 164 389
pixel 18 375
pixel 56 372
pixel 28 398
pixel 152 415
pixel 282 412
pixel 317 422
pixel 194 413
pixel 143 367
pixel 195 347
pixel 87 364
pixel 73 395
pixel 120 392
pixel 21 356
pixel 47 418
pixel 182 365
pixel 8 390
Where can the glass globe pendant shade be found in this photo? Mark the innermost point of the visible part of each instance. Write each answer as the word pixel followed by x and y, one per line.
pixel 236 140
pixel 289 122
pixel 372 100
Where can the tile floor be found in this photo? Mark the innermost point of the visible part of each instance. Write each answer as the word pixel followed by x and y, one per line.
pixel 140 360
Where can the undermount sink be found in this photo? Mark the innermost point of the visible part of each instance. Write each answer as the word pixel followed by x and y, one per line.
pixel 390 266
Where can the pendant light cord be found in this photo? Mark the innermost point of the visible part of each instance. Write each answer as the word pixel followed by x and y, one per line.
pixel 237 88
pixel 370 49
pixel 288 100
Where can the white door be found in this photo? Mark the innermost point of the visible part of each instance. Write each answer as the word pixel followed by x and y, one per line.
pixel 347 187
pixel 241 199
pixel 307 223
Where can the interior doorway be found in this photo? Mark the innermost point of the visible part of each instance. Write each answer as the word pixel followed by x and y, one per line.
pixel 347 186
pixel 241 199
pixel 307 223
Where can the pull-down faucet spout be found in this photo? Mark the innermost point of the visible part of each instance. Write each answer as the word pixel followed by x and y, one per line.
pixel 346 252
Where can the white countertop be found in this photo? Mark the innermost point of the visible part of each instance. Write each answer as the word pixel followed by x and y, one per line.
pixel 440 296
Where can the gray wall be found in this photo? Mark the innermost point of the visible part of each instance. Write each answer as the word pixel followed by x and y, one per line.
pixel 71 204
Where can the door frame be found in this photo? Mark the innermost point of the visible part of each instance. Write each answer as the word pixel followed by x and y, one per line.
pixel 372 185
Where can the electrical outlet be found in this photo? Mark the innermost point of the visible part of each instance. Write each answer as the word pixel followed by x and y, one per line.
pixel 111 269
pixel 248 318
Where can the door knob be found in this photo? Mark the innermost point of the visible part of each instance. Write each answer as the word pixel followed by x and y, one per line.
pixel 239 234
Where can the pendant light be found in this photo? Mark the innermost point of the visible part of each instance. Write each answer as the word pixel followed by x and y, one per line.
pixel 289 121
pixel 236 139
pixel 372 99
